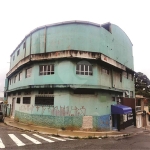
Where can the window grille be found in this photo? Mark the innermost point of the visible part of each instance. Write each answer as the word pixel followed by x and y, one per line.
pixel 44 101
pixel 46 69
pixel 26 100
pixel 84 69
pixel 18 100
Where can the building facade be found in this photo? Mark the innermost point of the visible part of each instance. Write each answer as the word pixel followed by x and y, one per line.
pixel 67 75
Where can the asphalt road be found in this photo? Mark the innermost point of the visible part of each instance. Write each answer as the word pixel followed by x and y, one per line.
pixel 12 138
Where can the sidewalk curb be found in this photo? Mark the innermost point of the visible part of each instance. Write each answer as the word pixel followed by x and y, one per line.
pixel 91 134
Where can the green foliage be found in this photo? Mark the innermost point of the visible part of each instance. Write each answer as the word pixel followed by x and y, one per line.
pixel 142 85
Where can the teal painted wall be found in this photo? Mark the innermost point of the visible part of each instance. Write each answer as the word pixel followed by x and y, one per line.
pixel 65 73
pixel 68 111
pixel 99 122
pixel 68 104
pixel 84 37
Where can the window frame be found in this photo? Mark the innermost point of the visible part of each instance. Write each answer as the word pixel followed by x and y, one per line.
pixel 125 74
pixel 19 100
pixel 39 100
pixel 84 69
pixel 18 52
pixel 105 70
pixel 13 57
pixel 130 76
pixel 25 99
pixel 27 75
pixel 120 77
pixel 46 69
pixel 15 77
pixel 131 95
pixel 24 45
pixel 20 76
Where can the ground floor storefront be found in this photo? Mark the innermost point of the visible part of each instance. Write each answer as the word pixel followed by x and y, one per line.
pixel 64 108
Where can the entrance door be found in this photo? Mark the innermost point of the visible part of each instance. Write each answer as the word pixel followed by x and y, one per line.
pixel 13 107
pixel 138 121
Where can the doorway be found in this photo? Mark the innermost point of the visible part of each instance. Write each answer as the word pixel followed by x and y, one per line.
pixel 13 107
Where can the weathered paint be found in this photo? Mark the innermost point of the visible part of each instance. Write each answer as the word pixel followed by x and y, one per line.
pixel 70 122
pixel 65 73
pixel 65 45
pixel 78 36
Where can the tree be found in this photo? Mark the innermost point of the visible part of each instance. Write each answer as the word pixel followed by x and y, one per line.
pixel 142 84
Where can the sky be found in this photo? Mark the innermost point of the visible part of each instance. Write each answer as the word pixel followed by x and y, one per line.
pixel 19 17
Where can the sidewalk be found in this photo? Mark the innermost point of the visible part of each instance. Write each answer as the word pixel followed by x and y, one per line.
pixel 68 133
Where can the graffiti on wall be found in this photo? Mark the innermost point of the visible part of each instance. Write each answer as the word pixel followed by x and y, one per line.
pixel 55 111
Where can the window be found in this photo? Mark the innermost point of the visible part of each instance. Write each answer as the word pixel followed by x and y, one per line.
pixel 120 77
pixel 10 81
pixel 113 99
pixel 20 76
pixel 26 100
pixel 18 52
pixel 46 69
pixel 131 94
pixel 28 72
pixel 13 57
pixel 44 100
pixel 15 78
pixel 125 74
pixel 5 94
pixel 18 100
pixel 14 94
pixel 84 69
pixel 126 93
pixel 24 45
pixel 130 76
pixel 105 70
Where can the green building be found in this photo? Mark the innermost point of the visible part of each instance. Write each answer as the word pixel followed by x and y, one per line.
pixel 69 74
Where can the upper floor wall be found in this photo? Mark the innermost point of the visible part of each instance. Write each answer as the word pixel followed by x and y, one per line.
pixel 74 73
pixel 107 39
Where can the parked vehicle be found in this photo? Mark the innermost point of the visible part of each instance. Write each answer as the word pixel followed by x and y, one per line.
pixel 1 116
pixel 1 113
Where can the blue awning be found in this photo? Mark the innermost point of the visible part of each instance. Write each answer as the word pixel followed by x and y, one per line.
pixel 120 109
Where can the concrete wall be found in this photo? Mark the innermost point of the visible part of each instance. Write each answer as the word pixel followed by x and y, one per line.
pixel 65 73
pixel 69 110
pixel 68 104
pixel 78 36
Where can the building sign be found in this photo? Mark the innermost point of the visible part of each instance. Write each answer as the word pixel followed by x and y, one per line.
pixel 112 62
pixel 130 116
